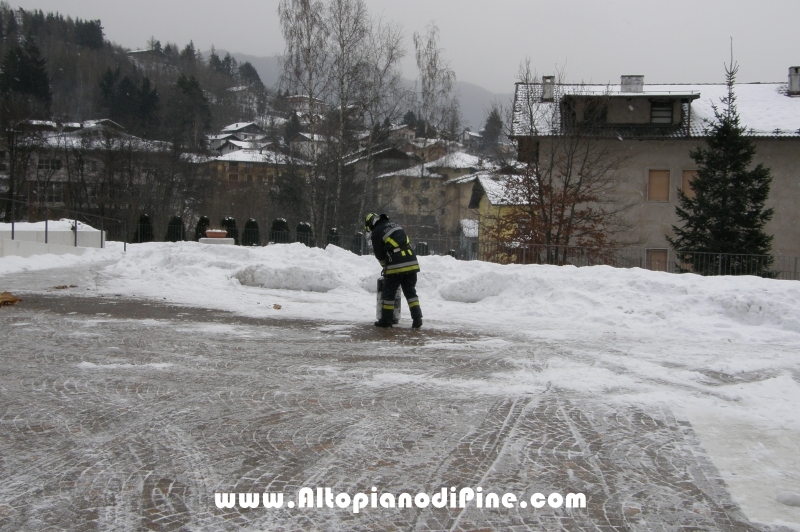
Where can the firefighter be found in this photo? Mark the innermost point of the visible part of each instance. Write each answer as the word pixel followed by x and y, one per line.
pixel 393 250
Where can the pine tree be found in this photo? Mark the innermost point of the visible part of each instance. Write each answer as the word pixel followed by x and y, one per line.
pixel 726 214
pixel 24 73
pixel 493 128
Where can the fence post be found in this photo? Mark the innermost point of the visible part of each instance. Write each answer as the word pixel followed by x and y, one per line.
pixel 719 264
pixel 46 222
pixel 76 229
pixel 102 233
pixel 125 229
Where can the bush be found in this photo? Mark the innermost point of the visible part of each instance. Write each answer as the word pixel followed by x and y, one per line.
pixel 200 230
pixel 176 232
pixel 304 234
pixel 144 230
pixel 333 236
pixel 250 236
pixel 279 231
pixel 229 224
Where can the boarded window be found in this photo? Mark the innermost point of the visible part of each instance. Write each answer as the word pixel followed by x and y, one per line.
pixel 686 186
pixel 658 185
pixel 233 177
pixel 657 259
pixel 661 113
pixel 249 178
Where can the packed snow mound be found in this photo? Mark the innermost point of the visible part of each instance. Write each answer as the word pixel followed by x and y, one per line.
pixel 789 498
pixel 290 278
pixel 478 287
pixel 285 266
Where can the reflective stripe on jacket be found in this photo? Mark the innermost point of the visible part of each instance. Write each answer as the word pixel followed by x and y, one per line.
pixel 392 247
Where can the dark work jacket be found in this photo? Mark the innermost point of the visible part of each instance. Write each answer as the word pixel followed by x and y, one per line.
pixel 393 248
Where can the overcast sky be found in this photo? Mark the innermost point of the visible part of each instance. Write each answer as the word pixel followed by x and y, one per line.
pixel 669 41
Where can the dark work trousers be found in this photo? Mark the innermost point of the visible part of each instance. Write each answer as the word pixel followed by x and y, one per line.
pixel 408 281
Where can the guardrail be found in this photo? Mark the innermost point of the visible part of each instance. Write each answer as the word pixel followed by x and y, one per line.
pixel 35 213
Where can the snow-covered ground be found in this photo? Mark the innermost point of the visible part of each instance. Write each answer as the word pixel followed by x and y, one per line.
pixel 722 353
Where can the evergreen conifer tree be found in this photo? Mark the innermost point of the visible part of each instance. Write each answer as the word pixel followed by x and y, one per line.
pixel 723 224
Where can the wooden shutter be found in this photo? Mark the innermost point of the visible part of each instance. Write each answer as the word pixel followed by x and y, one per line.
pixel 657 259
pixel 658 185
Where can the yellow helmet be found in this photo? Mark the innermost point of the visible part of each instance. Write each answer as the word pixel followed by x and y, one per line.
pixel 370 220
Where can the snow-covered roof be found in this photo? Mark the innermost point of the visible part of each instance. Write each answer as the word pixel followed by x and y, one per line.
pixel 259 156
pixel 493 184
pixel 457 160
pixel 196 158
pixel 414 171
pixel 223 136
pixel 764 108
pixel 80 140
pixel 364 154
pixel 469 228
pixel 238 126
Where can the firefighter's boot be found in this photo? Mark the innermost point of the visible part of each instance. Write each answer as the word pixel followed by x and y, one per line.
pixel 387 316
pixel 416 316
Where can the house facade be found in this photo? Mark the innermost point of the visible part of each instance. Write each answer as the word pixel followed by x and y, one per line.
pixel 253 166
pixel 650 130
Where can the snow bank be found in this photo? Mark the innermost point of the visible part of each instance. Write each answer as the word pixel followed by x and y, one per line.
pixel 64 224
pixel 526 299
pixel 14 264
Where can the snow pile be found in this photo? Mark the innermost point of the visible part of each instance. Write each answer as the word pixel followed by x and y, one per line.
pixel 13 264
pixel 528 299
pixel 64 224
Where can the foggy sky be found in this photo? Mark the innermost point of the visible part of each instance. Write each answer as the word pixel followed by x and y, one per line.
pixel 669 41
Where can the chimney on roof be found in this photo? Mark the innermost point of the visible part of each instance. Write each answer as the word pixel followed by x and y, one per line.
pixel 631 84
pixel 548 88
pixel 794 81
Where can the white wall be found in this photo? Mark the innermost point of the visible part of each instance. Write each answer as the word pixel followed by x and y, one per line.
pixel 26 248
pixel 87 239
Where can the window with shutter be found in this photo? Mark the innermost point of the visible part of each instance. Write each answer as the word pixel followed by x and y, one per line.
pixel 658 185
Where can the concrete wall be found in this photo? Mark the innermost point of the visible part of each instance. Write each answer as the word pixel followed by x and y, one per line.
pixel 654 220
pixel 25 248
pixel 88 239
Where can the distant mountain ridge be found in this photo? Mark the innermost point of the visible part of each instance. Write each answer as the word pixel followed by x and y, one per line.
pixel 475 100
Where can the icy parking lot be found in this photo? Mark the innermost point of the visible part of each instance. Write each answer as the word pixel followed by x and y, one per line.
pixel 128 400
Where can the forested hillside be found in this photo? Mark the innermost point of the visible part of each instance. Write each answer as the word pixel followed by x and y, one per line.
pixel 152 93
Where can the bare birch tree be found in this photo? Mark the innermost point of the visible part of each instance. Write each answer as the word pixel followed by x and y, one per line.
pixel 437 102
pixel 305 72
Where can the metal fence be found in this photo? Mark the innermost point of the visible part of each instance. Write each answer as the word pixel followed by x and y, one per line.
pixel 17 211
pixel 702 263
pixel 462 248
